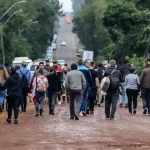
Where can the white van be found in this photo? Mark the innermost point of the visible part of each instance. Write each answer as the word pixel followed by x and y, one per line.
pixel 18 61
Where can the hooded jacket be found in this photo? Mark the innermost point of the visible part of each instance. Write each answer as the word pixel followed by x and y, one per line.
pixel 54 83
pixel 13 85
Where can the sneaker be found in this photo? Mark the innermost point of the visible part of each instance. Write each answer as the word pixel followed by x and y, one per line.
pixel 15 121
pixel 126 105
pixel 59 102
pixel 145 111
pixel 8 120
pixel 107 117
pixel 1 109
pixel 76 117
pixel 91 112
pixel 72 118
pixel 87 111
pixel 121 105
pixel 98 105
pixel 41 116
pixel 52 113
pixel 134 112
pixel 37 114
pixel 84 114
pixel 130 112
pixel 81 114
pixel 112 118
pixel 149 114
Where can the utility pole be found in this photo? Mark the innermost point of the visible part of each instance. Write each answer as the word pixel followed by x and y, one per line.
pixel 2 43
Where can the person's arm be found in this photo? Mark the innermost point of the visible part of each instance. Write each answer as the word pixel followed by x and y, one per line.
pixel 142 77
pixel 83 81
pixel 34 82
pixel 120 77
pixel 67 81
pixel 6 75
pixel 138 80
pixel 6 85
pixel 29 78
pixel 126 81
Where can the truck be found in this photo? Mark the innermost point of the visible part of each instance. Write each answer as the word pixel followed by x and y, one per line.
pixel 18 61
pixel 87 55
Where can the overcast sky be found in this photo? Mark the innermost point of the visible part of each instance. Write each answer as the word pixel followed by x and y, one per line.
pixel 67 5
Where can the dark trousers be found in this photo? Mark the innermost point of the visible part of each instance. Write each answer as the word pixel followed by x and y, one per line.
pixel 24 99
pixel 13 103
pixel 111 100
pixel 146 99
pixel 132 98
pixel 59 96
pixel 91 103
pixel 52 99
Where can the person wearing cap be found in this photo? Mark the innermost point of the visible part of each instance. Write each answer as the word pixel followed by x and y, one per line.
pixel 25 76
pixel 47 66
pixel 112 94
pixel 145 89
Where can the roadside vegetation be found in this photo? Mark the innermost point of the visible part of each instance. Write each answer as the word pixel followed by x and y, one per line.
pixel 29 32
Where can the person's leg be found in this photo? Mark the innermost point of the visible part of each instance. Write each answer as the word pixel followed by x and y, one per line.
pixel 25 99
pixel 84 101
pixel 54 96
pixel 92 104
pixel 2 95
pixel 144 100
pixel 71 105
pixel 120 97
pixel 135 95
pixel 149 102
pixel 42 99
pixel 50 101
pixel 37 104
pixel 10 105
pixel 129 95
pixel 108 100
pixel 115 97
pixel 125 97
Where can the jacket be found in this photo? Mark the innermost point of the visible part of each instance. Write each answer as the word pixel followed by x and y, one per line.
pixel 36 73
pixel 145 78
pixel 13 85
pixel 87 75
pixel 24 70
pixel 54 83
pixel 3 73
pixel 75 80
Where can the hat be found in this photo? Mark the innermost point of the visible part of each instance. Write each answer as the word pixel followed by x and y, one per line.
pixel 24 63
pixel 112 62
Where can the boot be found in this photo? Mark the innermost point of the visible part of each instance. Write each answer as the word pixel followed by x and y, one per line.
pixel 37 112
pixel 41 111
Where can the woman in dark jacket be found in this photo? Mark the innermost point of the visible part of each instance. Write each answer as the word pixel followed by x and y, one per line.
pixel 14 95
pixel 53 89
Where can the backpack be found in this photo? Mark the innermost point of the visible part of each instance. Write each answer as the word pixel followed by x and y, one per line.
pixel 24 80
pixel 99 73
pixel 41 85
pixel 114 80
pixel 125 73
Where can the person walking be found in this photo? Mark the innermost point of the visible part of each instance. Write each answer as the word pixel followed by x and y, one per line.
pixel 145 89
pixel 60 74
pixel 53 89
pixel 124 69
pixel 47 66
pixel 75 83
pixel 3 76
pixel 14 94
pixel 132 84
pixel 88 78
pixel 40 85
pixel 64 91
pixel 113 90
pixel 25 76
pixel 94 90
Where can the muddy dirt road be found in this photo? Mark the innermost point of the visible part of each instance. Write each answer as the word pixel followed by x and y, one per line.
pixel 58 132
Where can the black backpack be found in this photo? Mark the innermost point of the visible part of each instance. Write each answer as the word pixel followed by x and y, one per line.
pixel 114 80
pixel 24 80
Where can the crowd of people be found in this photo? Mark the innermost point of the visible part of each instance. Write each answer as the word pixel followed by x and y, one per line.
pixel 81 86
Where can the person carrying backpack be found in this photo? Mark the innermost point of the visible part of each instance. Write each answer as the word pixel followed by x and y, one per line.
pixel 40 85
pixel 124 69
pixel 113 90
pixel 25 76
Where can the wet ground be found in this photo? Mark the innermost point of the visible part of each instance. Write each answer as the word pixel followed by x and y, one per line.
pixel 58 132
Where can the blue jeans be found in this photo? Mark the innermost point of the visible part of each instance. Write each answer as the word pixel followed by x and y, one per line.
pixel 2 95
pixel 84 101
pixel 125 95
